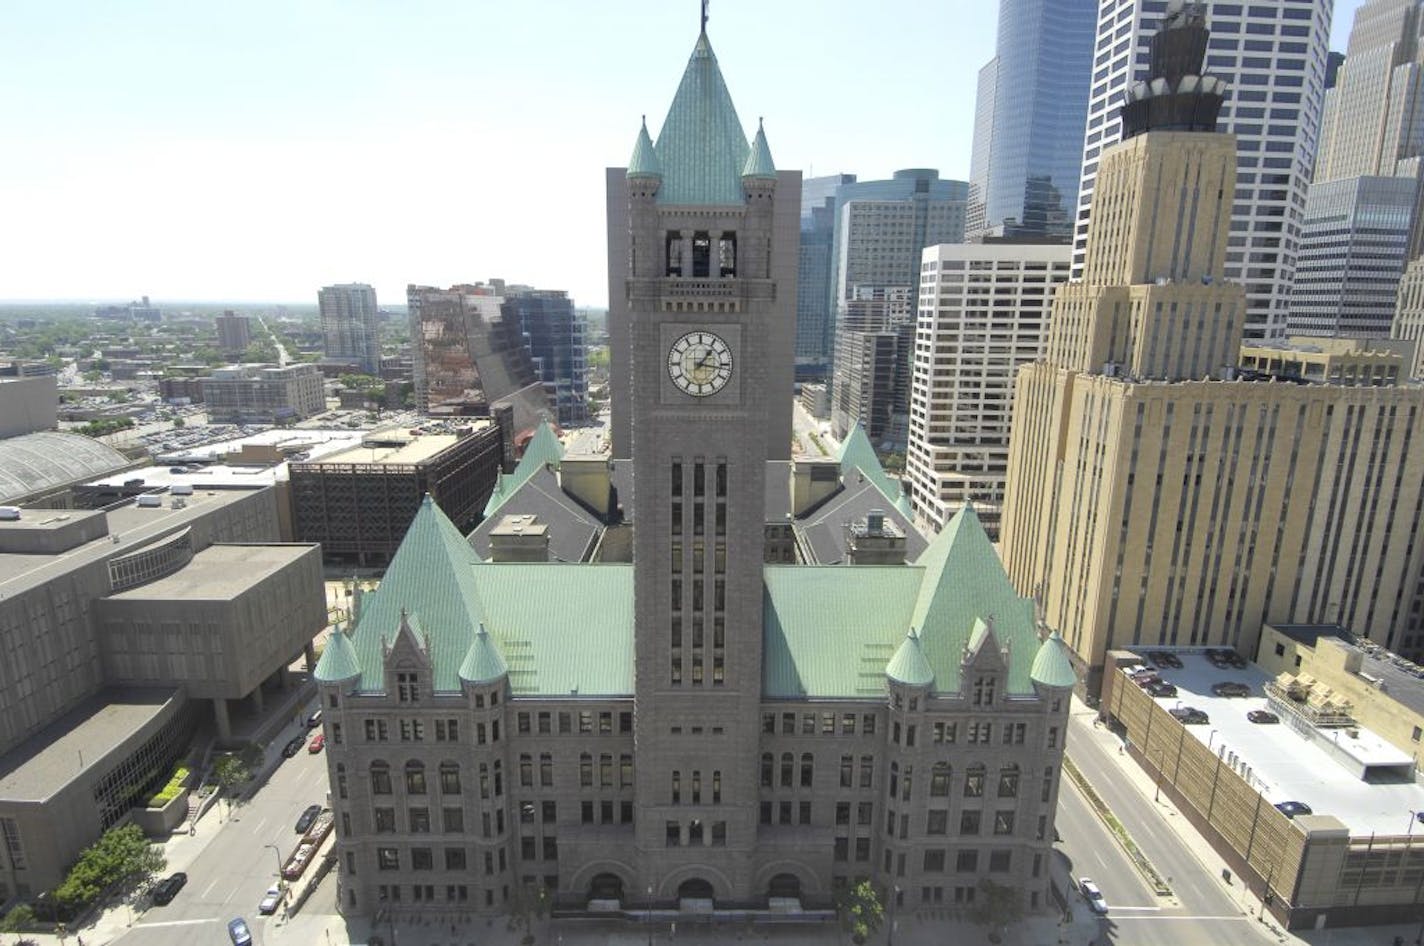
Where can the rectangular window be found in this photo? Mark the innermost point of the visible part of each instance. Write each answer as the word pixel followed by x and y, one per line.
pixel 453 819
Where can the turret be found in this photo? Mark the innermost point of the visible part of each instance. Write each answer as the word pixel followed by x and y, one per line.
pixel 759 184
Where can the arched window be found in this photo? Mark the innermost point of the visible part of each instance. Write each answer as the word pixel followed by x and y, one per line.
pixel 808 765
pixel 380 778
pixel 786 766
pixel 939 779
pixel 766 765
pixel 415 778
pixel 1009 781
pixel 974 782
pixel 449 778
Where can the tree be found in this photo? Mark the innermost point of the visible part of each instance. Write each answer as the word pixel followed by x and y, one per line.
pixel 179 422
pixel 531 902
pixel 996 905
pixel 122 859
pixel 860 910
pixel 230 771
pixel 18 920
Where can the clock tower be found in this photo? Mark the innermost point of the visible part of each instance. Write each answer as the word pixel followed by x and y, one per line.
pixel 702 310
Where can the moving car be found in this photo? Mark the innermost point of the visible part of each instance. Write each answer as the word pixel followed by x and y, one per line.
pixel 1262 716
pixel 238 932
pixel 293 746
pixel 314 720
pixel 308 816
pixel 270 901
pixel 1093 895
pixel 167 888
pixel 1292 808
pixel 317 744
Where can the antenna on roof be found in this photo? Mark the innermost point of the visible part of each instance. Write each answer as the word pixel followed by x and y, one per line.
pixel 704 16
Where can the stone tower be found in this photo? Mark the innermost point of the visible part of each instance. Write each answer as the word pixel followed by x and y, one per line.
pixel 707 326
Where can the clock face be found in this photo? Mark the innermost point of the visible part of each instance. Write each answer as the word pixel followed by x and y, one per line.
pixel 700 363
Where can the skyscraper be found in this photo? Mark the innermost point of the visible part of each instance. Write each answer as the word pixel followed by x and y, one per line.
pixel 553 333
pixel 983 312
pixel 468 352
pixel 1362 211
pixel 815 305
pixel 688 726
pixel 350 323
pixel 1028 124
pixel 1272 58
pixel 234 332
pixel 881 227
pixel 1158 494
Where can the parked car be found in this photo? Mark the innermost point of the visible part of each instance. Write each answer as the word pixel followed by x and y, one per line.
pixel 1189 716
pixel 167 888
pixel 1262 716
pixel 1161 688
pixel 1292 808
pixel 317 744
pixel 1230 688
pixel 270 901
pixel 293 746
pixel 1163 658
pixel 238 932
pixel 314 720
pixel 308 816
pixel 1093 895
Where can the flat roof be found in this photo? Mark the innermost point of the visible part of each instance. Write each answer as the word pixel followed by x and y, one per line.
pixel 1284 764
pixel 392 449
pixel 39 767
pixel 130 527
pixel 316 443
pixel 218 573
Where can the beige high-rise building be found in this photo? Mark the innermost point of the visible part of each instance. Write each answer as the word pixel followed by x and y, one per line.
pixel 1155 494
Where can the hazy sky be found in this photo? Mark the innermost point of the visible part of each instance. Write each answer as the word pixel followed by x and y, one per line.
pixel 259 150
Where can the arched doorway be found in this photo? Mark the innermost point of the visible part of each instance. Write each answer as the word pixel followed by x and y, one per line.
pixel 605 887
pixel 784 887
pixel 694 888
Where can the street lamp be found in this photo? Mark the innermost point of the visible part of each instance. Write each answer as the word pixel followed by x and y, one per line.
pixel 650 915
pixel 1210 739
pixel 890 927
pixel 278 852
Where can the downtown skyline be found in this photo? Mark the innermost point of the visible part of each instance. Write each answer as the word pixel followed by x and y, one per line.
pixel 193 155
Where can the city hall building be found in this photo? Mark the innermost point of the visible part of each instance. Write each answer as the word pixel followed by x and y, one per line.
pixel 691 712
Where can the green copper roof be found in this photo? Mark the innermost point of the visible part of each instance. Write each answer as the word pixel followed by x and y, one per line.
pixel 338 659
pixel 858 454
pixel 759 158
pixel 644 161
pixel 701 147
pixel 909 665
pixel 543 448
pixel 432 580
pixel 483 664
pixel 1051 666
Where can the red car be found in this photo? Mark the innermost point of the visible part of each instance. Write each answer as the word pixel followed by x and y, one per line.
pixel 317 744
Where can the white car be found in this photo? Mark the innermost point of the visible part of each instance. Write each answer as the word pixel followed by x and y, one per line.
pixel 1093 895
pixel 270 902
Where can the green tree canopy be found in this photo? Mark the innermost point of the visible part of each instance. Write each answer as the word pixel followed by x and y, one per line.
pixel 121 858
pixel 860 910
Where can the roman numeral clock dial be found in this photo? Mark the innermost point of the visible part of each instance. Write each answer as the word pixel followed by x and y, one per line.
pixel 700 363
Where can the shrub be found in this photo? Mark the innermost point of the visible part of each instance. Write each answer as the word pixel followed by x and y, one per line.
pixel 170 791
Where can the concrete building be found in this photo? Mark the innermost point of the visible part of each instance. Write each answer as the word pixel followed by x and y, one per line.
pixel 234 332
pixel 28 405
pixel 468 354
pixel 1408 323
pixel 1151 499
pixel 1029 114
pixel 870 386
pixel 1271 56
pixel 263 394
pixel 350 325
pixel 145 610
pixel 983 312
pixel 359 502
pixel 1279 770
pixel 690 731
pixel 1371 362
pixel 43 468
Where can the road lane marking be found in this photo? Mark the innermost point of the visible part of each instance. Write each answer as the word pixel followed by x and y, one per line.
pixel 210 887
pixel 211 919
pixel 1173 916
pixel 1116 908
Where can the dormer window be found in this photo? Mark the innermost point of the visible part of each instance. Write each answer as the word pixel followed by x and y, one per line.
pixel 984 691
pixel 408 687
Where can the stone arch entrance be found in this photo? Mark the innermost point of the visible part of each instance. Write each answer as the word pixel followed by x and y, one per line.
pixel 784 887
pixel 605 887
pixel 694 888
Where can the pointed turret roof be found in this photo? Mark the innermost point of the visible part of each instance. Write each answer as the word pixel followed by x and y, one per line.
pixel 909 665
pixel 483 664
pixel 644 162
pixel 759 158
pixel 338 661
pixel 1052 666
pixel 857 454
pixel 543 448
pixel 430 576
pixel 701 147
